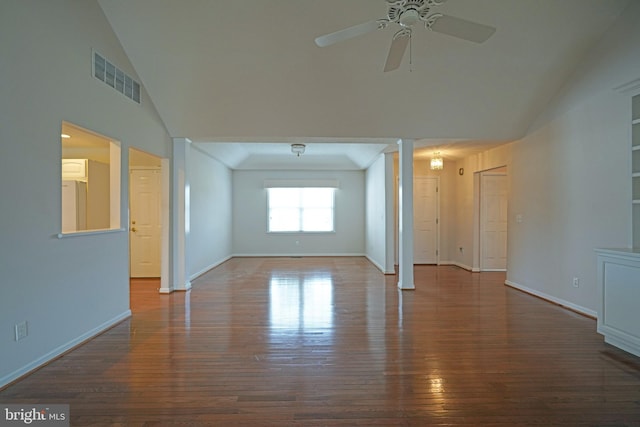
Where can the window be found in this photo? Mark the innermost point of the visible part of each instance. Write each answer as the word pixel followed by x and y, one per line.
pixel 301 210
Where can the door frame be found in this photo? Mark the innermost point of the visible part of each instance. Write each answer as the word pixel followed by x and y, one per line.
pixel 437 199
pixel 165 185
pixel 477 209
pixel 397 219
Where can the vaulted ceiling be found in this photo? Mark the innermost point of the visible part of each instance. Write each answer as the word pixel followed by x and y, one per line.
pixel 231 75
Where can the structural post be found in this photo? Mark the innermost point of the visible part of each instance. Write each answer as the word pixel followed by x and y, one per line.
pixel 390 226
pixel 405 215
pixel 181 214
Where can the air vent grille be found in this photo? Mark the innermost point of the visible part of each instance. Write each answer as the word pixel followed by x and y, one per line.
pixel 106 72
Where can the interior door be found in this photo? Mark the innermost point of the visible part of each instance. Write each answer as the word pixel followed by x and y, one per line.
pixel 493 221
pixel 145 227
pixel 425 217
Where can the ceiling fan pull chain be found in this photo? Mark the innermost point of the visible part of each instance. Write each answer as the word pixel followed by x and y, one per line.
pixel 411 52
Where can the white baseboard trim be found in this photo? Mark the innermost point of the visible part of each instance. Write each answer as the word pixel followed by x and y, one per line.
pixel 194 276
pixel 57 352
pixel 458 264
pixel 378 266
pixel 296 255
pixel 571 306
pixel 184 288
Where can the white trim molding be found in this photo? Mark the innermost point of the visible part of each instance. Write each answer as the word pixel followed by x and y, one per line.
pixel 628 88
pixel 619 298
pixel 379 267
pixel 295 255
pixel 59 351
pixel 558 301
pixel 197 274
pixel 461 265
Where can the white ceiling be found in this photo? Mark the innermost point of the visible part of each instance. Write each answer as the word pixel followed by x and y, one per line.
pixel 243 79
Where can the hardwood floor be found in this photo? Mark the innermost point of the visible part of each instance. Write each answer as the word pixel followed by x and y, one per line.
pixel 332 341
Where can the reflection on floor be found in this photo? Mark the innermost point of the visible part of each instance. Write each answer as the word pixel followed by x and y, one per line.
pixel 332 341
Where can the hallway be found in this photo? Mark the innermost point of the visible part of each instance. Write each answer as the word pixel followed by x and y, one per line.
pixel 332 341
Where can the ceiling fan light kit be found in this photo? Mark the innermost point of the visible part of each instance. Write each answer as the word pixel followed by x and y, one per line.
pixel 407 13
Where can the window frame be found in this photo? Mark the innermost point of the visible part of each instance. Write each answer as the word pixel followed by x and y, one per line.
pixel 96 147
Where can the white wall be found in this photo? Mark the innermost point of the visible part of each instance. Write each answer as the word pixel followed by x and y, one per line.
pixel 250 235
pixel 465 201
pixel 447 190
pixel 570 182
pixel 446 195
pixel 375 213
pixel 210 222
pixel 569 177
pixel 66 289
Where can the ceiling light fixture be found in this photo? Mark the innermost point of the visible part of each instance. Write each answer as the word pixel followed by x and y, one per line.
pixel 298 149
pixel 65 136
pixel 436 161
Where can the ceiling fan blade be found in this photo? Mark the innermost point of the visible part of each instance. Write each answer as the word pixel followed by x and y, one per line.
pixel 348 33
pixel 461 28
pixel 396 51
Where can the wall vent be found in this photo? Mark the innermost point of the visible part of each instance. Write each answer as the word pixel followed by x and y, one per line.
pixel 106 72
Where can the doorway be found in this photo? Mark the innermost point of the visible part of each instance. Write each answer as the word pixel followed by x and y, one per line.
pixel 148 216
pixel 426 222
pixel 425 216
pixel 492 216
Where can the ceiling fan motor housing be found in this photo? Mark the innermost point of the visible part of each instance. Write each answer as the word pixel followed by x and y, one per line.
pixel 409 12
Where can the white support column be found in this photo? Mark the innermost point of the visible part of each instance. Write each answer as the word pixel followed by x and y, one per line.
pixel 390 245
pixel 181 214
pixel 165 250
pixel 405 215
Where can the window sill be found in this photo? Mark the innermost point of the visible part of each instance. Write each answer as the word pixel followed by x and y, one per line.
pixel 301 232
pixel 89 233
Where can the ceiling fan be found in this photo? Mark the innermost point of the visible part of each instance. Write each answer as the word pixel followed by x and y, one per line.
pixel 407 13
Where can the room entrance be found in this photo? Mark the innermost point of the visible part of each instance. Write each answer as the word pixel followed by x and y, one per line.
pixel 492 223
pixel 148 216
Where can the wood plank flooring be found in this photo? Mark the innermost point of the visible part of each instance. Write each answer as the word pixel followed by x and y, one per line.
pixel 333 342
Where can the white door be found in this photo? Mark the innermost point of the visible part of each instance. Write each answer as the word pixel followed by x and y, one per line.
pixel 145 227
pixel 493 222
pixel 425 220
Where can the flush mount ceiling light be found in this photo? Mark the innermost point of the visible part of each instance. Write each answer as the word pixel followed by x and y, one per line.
pixel 65 136
pixel 298 149
pixel 436 161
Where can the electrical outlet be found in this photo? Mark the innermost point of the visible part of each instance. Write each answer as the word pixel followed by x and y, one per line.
pixel 576 282
pixel 21 330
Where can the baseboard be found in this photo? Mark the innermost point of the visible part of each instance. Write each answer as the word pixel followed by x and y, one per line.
pixel 379 267
pixel 459 264
pixel 296 255
pixel 59 351
pixel 558 301
pixel 210 267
